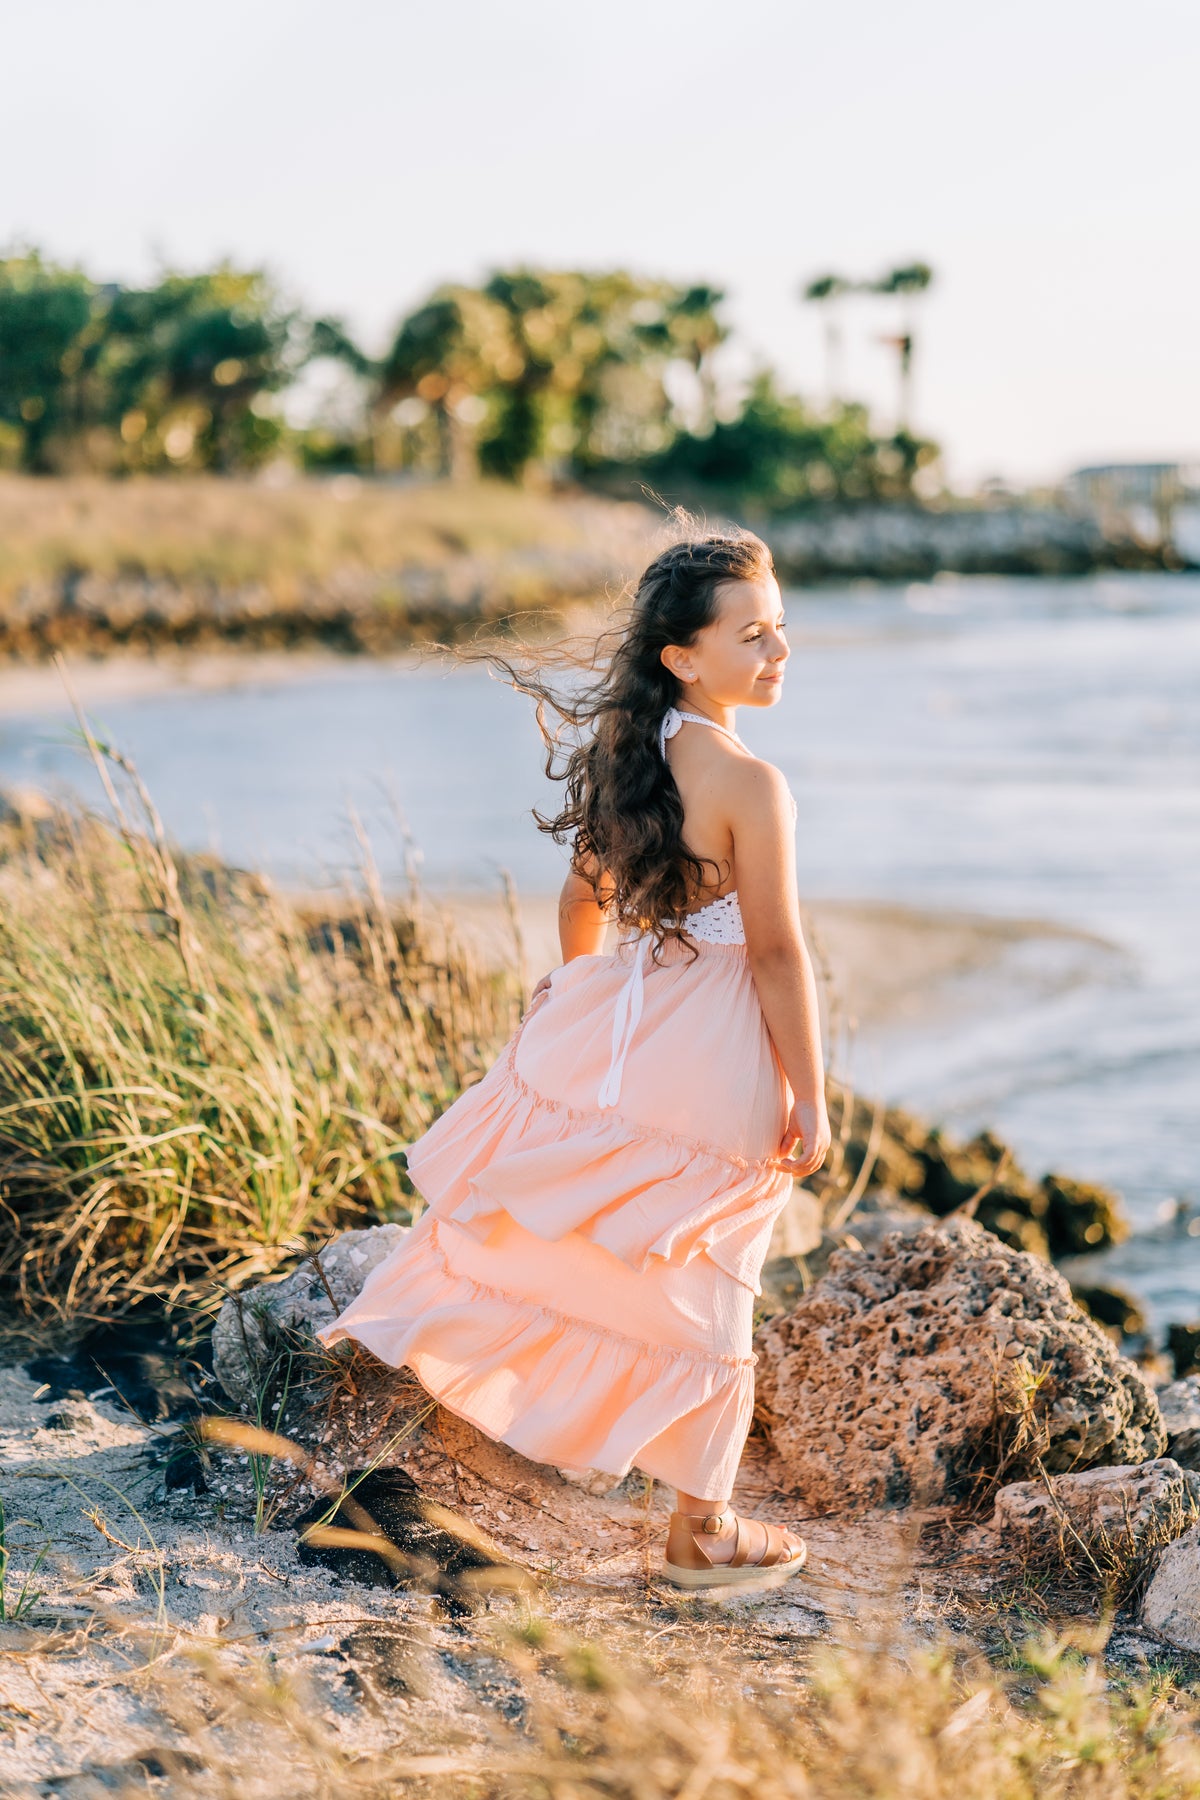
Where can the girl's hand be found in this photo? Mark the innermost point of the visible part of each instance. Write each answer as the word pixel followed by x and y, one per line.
pixel 808 1128
pixel 541 987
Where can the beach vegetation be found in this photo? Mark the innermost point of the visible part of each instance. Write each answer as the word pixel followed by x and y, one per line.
pixel 18 1596
pixel 198 1079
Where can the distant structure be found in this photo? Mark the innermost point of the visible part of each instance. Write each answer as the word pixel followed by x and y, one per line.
pixel 1156 502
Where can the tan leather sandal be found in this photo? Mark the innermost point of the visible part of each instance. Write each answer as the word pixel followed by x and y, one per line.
pixel 688 1564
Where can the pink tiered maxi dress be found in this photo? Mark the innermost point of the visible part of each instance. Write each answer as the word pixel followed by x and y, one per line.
pixel 581 1286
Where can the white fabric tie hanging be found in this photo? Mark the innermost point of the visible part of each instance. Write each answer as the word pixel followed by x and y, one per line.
pixel 626 1014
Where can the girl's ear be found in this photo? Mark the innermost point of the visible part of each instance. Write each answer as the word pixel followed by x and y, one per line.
pixel 676 661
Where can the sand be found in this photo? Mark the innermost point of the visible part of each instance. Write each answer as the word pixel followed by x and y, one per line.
pixel 158 1609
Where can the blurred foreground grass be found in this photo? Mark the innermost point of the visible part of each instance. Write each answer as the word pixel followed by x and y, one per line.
pixel 697 1709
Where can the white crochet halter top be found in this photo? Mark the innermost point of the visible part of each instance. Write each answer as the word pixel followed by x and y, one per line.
pixel 720 922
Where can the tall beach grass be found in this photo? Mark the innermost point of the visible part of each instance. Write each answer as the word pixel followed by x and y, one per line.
pixel 198 1080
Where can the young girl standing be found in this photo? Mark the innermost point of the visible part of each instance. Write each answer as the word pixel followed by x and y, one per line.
pixel 581 1285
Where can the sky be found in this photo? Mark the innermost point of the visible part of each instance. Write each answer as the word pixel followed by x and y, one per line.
pixel 1042 156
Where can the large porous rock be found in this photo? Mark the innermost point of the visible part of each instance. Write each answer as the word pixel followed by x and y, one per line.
pixel 1114 1511
pixel 935 1356
pixel 1171 1608
pixel 253 1327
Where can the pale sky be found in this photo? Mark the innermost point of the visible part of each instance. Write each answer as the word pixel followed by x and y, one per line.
pixel 1042 156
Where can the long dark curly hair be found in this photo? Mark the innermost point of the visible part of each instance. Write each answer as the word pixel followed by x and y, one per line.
pixel 622 813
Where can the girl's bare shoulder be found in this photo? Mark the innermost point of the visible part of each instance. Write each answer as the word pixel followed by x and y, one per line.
pixel 758 792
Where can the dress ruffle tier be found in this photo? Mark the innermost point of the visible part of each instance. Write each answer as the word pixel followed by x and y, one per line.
pixel 582 1284
pixel 557 1168
pixel 558 1387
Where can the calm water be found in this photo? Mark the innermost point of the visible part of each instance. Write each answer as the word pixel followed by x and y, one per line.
pixel 1028 749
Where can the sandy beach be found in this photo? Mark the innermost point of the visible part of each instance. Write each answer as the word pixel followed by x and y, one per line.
pixel 162 1622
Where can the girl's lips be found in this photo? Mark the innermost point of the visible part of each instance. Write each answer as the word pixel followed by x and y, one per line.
pixel 774 678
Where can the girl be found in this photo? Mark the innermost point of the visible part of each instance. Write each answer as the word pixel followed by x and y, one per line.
pixel 582 1283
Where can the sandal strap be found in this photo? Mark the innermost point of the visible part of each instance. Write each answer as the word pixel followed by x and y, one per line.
pixel 777 1549
pixel 691 1521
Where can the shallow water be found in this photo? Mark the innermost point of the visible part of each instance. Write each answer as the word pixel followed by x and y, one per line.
pixel 1027 749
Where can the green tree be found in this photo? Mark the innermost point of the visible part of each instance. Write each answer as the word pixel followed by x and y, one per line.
pixel 777 455
pixel 190 362
pixel 454 350
pixel 47 336
pixel 909 282
pixel 544 367
pixel 828 292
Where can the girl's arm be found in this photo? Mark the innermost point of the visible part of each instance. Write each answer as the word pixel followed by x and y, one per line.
pixel 582 921
pixel 764 837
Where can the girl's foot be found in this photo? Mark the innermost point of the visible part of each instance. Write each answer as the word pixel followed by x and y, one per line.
pixel 723 1549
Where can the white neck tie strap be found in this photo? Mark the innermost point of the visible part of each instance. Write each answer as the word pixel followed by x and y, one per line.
pixel 626 1014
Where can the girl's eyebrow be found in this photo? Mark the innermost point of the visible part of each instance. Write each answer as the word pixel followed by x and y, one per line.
pixel 751 622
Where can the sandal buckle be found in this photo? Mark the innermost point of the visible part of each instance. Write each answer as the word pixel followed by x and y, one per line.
pixel 713 1523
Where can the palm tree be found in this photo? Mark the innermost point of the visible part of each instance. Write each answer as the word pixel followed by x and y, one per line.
pixel 908 281
pixel 827 292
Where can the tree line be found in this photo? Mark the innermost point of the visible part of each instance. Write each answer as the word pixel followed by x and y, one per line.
pixel 597 377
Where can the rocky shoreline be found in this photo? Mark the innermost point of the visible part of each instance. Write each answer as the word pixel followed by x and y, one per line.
pixel 898 543
pixel 365 607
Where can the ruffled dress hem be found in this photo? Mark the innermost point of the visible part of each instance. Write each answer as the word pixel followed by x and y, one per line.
pixel 507 1366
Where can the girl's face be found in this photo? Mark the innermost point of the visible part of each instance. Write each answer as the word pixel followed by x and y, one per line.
pixel 739 659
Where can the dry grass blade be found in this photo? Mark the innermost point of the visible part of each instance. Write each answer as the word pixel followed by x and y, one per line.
pixel 239 1435
pixel 463 1529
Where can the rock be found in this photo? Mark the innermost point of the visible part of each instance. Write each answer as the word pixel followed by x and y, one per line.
pixel 798 1227
pixel 1179 1404
pixel 903 1373
pixel 1171 1608
pixel 1121 1510
pixel 1183 1343
pixel 1113 1308
pixel 1014 1208
pixel 1052 1217
pixel 894 1164
pixel 1081 1216
pixel 415 1546
pixel 900 541
pixel 786 1278
pixel 253 1327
